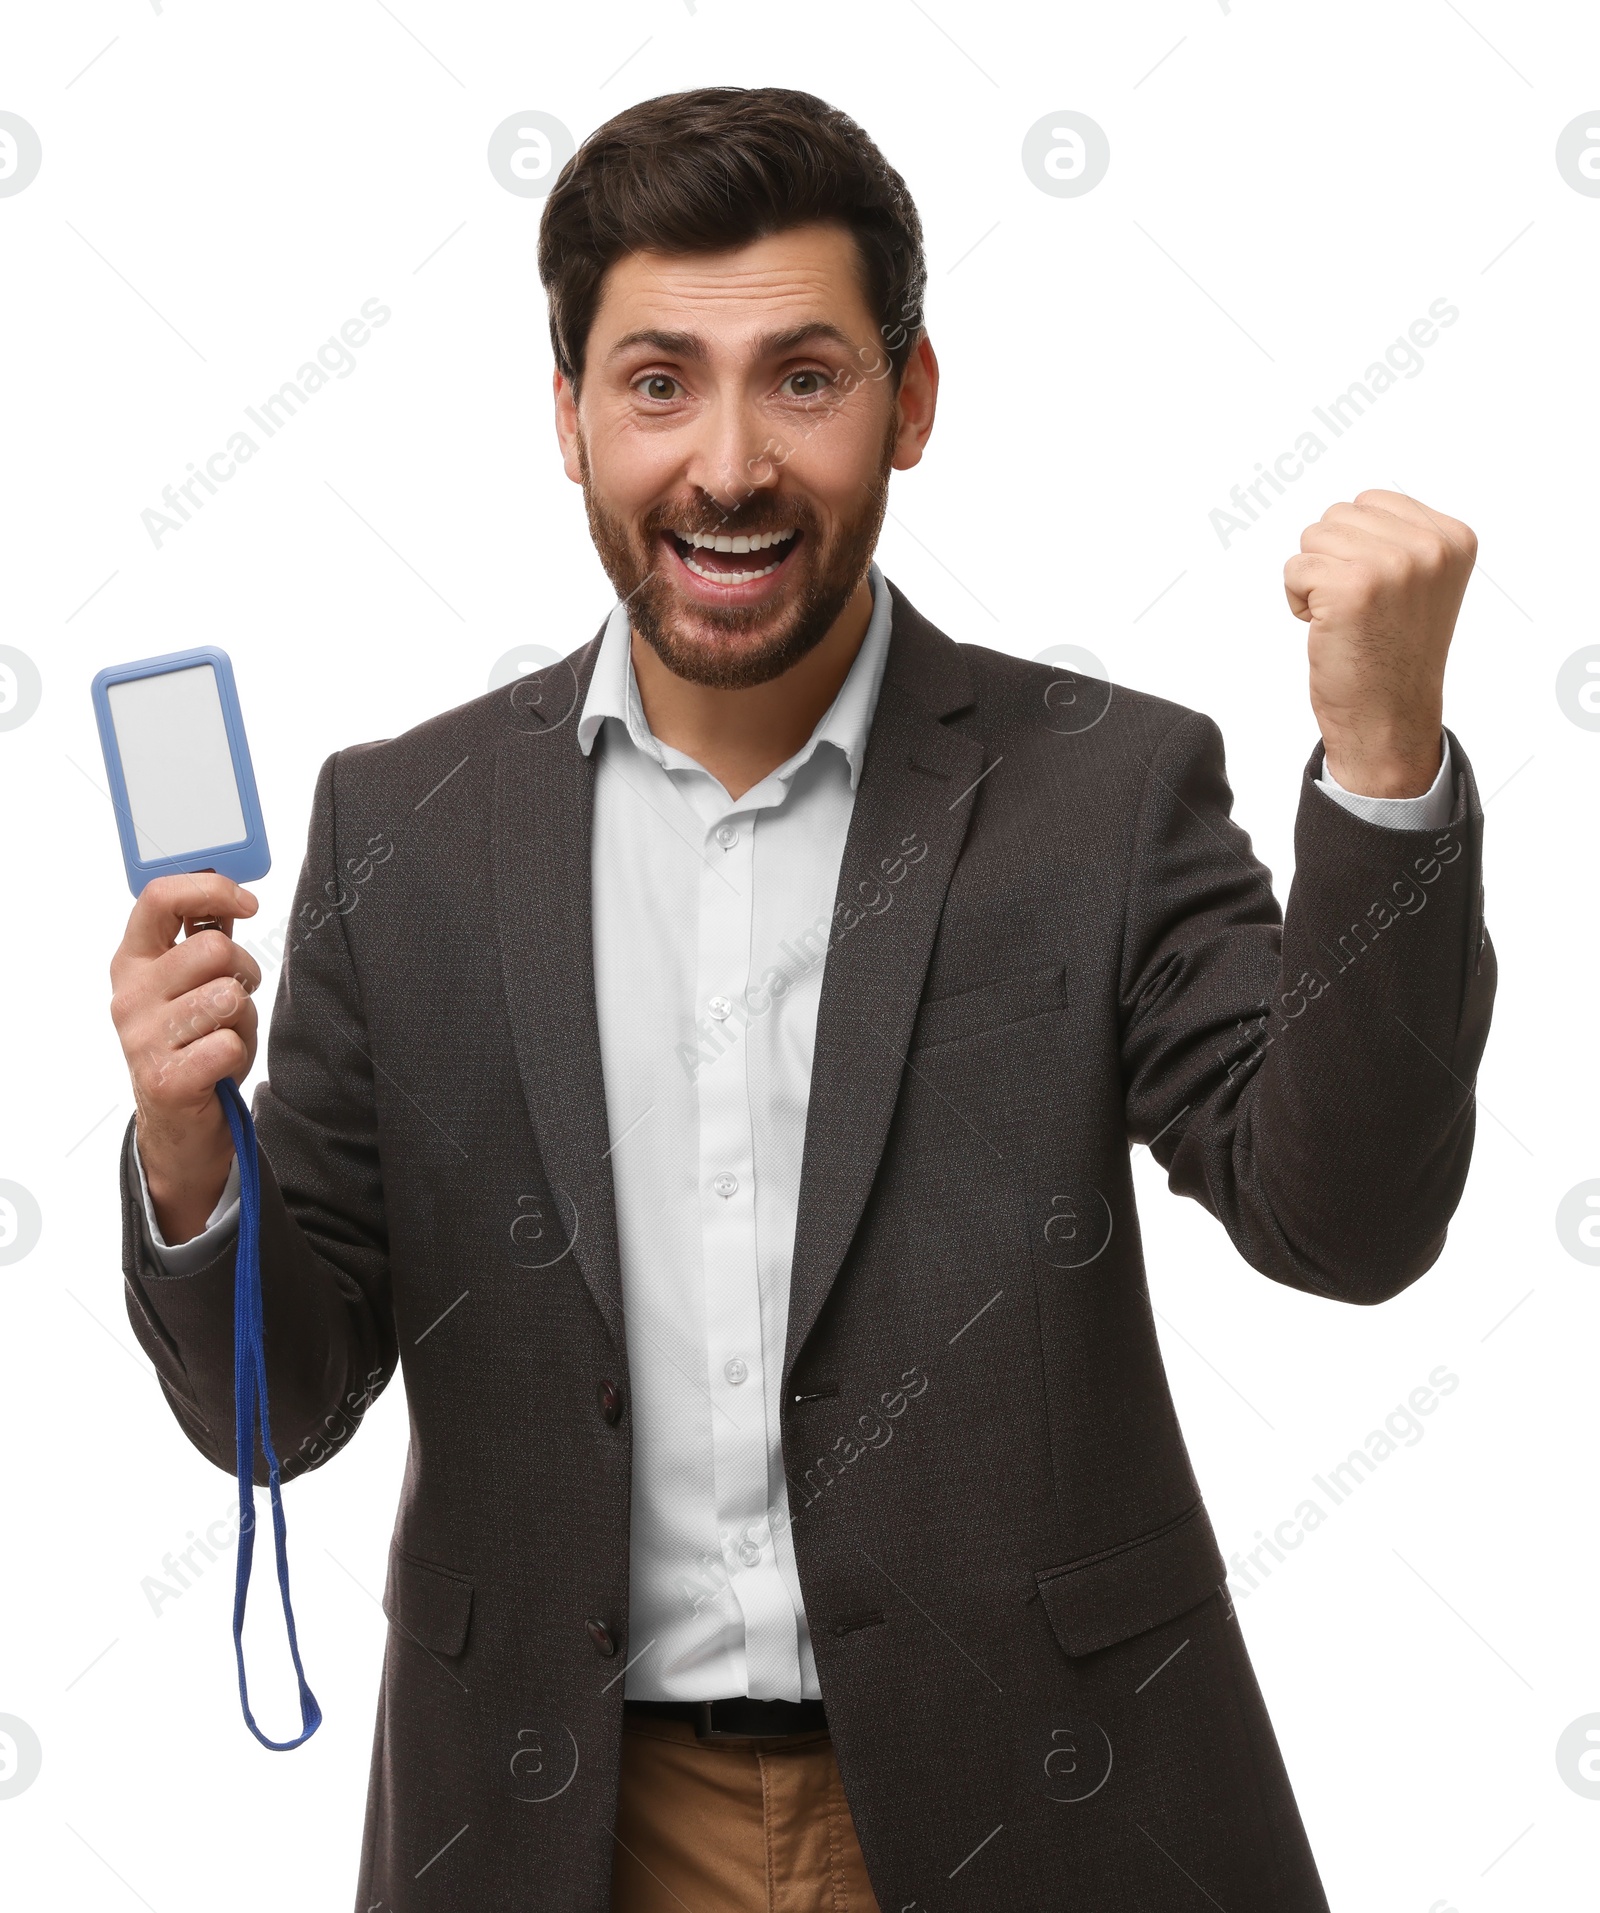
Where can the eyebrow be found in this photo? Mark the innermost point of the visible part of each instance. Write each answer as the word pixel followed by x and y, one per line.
pixel 690 345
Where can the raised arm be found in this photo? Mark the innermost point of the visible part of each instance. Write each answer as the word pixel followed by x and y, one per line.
pixel 1311 1083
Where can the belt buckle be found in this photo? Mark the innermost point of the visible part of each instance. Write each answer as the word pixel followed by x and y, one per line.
pixel 706 1729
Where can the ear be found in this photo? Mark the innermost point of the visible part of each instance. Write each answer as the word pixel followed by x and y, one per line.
pixel 567 425
pixel 916 402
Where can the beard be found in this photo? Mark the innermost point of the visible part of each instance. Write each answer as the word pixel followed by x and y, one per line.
pixel 736 647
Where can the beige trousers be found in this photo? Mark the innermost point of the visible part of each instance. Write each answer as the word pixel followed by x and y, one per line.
pixel 749 1826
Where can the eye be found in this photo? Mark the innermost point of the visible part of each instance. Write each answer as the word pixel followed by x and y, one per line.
pixel 807 385
pixel 660 386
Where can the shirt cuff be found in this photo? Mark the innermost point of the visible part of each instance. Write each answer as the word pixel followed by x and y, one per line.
pixel 1430 811
pixel 183 1258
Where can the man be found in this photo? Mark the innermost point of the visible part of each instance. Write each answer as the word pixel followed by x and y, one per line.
pixel 709 1068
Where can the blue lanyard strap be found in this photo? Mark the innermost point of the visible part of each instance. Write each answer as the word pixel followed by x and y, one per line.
pixel 250 1397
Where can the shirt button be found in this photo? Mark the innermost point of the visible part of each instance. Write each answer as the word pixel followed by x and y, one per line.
pixel 610 1402
pixel 727 835
pixel 604 1640
pixel 749 1553
pixel 725 1184
pixel 721 1007
pixel 736 1371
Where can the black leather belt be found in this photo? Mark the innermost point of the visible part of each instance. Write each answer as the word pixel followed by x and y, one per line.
pixel 737 1718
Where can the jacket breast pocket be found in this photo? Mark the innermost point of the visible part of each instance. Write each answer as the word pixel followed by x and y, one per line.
pixel 427 1604
pixel 1127 1590
pixel 990 1006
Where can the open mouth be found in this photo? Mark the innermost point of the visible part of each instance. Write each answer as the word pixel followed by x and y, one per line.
pixel 729 560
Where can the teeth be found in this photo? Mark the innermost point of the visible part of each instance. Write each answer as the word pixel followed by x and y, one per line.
pixel 728 577
pixel 721 541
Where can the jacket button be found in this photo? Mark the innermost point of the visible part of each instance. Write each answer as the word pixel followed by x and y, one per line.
pixel 610 1402
pixel 604 1640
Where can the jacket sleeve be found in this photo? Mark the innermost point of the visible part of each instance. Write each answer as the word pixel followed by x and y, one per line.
pixel 1308 1076
pixel 329 1326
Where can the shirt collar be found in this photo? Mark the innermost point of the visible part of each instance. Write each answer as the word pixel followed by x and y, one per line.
pixel 614 692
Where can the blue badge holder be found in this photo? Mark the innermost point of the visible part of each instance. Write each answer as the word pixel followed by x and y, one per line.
pixel 182 728
pixel 172 735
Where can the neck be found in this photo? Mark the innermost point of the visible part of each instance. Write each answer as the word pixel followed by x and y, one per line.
pixel 742 736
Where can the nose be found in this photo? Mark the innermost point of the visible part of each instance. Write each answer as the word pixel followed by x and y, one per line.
pixel 736 452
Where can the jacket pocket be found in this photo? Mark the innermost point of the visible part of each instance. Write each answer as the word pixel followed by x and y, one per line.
pixel 429 1605
pixel 1126 1590
pixel 991 1006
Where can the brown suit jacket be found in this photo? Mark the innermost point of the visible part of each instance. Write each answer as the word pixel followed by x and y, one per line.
pixel 1051 941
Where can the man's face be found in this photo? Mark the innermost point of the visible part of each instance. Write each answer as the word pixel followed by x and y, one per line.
pixel 734 436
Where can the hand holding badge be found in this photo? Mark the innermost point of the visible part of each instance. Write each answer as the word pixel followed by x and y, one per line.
pixel 184 792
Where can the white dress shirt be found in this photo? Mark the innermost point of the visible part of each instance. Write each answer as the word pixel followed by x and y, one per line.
pixel 710 919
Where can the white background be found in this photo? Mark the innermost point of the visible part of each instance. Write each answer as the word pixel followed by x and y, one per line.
pixel 1289 188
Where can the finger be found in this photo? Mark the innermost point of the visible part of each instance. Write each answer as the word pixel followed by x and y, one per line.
pixel 1375 499
pixel 1356 544
pixel 219 1004
pixel 1412 510
pixel 181 966
pixel 192 1072
pixel 1385 531
pixel 167 1031
pixel 165 903
pixel 1309 574
pixel 202 959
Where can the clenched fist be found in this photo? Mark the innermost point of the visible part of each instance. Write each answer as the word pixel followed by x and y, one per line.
pixel 184 1014
pixel 1380 581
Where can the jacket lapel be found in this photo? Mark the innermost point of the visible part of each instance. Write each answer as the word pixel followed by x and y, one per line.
pixel 543 822
pixel 917 783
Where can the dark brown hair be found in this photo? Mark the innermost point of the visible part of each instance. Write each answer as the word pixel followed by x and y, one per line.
pixel 714 169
